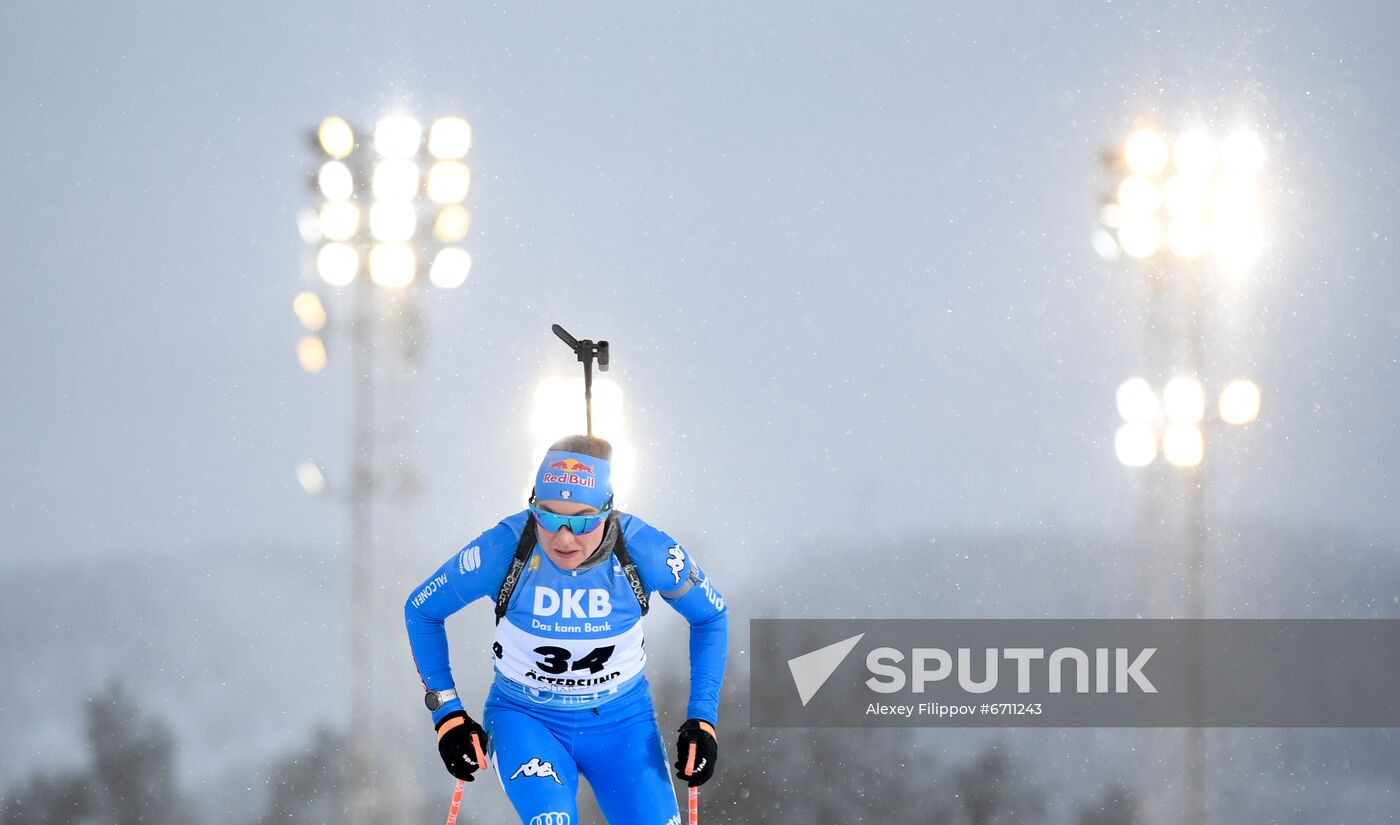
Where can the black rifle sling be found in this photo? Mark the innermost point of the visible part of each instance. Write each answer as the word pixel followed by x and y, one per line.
pixel 629 569
pixel 527 545
pixel 517 565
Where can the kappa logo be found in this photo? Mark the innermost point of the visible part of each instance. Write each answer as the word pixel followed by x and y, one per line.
pixel 552 818
pixel 536 767
pixel 469 559
pixel 675 560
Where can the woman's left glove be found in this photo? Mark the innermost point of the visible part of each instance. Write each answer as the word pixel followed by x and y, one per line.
pixel 696 752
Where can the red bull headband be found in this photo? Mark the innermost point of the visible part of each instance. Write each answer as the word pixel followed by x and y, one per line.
pixel 574 477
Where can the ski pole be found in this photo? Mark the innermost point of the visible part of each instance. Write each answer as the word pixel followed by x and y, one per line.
pixel 461 783
pixel 456 803
pixel 694 792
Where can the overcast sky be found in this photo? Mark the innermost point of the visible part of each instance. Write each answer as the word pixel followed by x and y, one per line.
pixel 842 253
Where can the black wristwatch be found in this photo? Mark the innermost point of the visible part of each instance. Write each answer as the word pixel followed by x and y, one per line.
pixel 435 699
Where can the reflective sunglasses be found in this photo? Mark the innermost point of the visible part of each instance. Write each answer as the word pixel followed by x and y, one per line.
pixel 578 525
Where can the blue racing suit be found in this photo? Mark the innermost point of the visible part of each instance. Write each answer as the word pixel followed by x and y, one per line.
pixel 569 696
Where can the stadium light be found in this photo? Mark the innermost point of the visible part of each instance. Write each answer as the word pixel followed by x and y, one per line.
pixel 336 137
pixel 1183 445
pixel 1140 236
pixel 310 311
pixel 311 478
pixel 558 411
pixel 340 220
pixel 1135 445
pixel 1137 403
pixel 335 181
pixel 1184 400
pixel 337 263
pixel 1194 153
pixel 449 182
pixel 376 200
pixel 1174 421
pixel 311 354
pixel 450 268
pixel 452 224
pixel 392 265
pixel 1106 246
pixel 1187 238
pixel 1243 153
pixel 450 138
pixel 398 136
pixel 1197 196
pixel 1146 153
pixel 1239 402
pixel 392 221
pixel 1188 208
pixel 395 179
pixel 1186 198
pixel 372 197
pixel 309 226
pixel 1139 195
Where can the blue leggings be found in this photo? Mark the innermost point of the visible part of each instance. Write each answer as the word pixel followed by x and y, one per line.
pixel 539 752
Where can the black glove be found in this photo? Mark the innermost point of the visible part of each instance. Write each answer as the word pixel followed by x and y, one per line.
pixel 462 744
pixel 696 752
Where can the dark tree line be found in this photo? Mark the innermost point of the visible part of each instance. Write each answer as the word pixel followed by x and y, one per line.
pixel 129 778
pixel 308 787
pixel 766 775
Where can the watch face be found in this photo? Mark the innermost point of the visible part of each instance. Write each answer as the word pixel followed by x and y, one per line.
pixel 431 700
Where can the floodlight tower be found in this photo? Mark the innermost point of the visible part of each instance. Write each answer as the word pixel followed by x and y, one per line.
pixel 392 211
pixel 1187 210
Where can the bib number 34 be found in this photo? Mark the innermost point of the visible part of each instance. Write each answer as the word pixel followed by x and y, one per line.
pixel 556 659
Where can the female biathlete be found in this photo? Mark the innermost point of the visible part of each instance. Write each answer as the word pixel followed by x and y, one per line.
pixel 571 578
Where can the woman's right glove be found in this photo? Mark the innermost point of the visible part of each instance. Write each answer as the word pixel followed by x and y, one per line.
pixel 462 745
